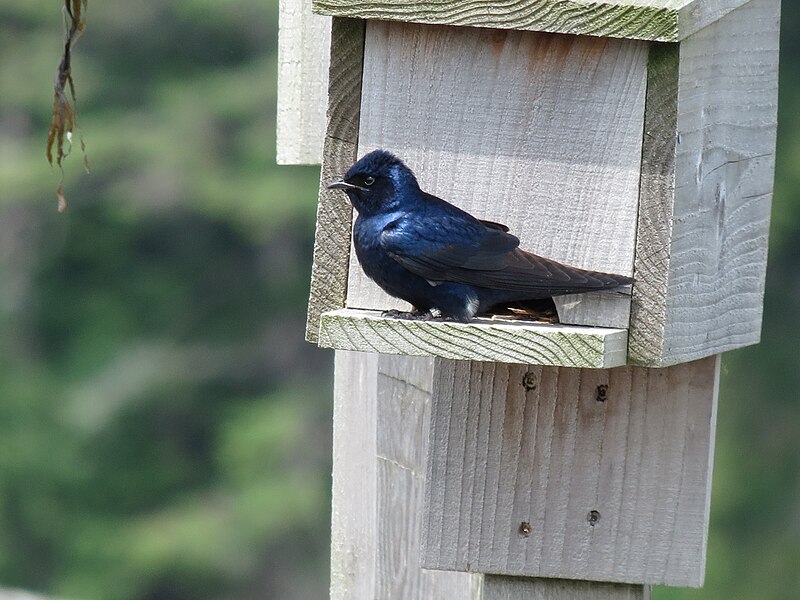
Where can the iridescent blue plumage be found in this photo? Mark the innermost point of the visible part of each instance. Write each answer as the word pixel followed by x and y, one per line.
pixel 441 259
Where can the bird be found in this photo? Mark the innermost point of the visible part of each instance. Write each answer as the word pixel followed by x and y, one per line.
pixel 446 263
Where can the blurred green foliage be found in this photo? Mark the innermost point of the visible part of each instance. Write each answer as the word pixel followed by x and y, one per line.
pixel 164 429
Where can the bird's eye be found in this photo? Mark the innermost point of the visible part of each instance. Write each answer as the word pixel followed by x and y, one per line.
pixel 369 180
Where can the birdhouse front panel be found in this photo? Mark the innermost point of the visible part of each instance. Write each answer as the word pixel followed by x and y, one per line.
pixel 538 131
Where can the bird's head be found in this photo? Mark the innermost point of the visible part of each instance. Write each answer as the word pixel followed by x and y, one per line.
pixel 374 183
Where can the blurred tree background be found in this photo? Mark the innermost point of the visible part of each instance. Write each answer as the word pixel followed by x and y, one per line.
pixel 164 429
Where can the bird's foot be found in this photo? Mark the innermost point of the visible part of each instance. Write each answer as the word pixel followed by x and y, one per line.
pixel 401 314
pixel 434 314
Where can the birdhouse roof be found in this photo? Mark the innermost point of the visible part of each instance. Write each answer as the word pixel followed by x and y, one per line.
pixel 656 20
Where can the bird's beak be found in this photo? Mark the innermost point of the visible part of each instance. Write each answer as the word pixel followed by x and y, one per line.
pixel 343 185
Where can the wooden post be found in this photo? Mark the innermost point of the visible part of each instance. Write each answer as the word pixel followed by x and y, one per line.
pixel 568 461
pixel 380 425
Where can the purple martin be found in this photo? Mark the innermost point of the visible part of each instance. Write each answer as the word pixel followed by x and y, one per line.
pixel 441 259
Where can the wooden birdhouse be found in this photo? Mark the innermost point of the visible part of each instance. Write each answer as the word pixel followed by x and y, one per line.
pixel 629 136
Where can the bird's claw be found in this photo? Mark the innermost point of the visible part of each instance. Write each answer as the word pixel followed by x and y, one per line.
pixel 438 317
pixel 434 314
pixel 401 314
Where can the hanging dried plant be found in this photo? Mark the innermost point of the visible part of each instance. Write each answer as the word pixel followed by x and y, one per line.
pixel 65 112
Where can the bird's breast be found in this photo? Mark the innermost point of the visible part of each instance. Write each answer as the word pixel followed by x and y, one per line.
pixel 377 264
pixel 368 230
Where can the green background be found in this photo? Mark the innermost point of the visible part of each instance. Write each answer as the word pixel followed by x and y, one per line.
pixel 164 428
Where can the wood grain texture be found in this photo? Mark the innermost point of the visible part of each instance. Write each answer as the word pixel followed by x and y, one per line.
pixel 657 192
pixel 381 414
pixel 599 309
pixel 657 20
pixel 481 339
pixel 354 502
pixel 706 190
pixel 520 457
pixel 304 41
pixel 541 132
pixel 498 587
pixel 334 212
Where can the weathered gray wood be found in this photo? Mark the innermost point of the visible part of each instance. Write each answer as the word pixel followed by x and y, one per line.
pixel 520 457
pixel 482 339
pixel 599 309
pixel 707 164
pixel 658 20
pixel 498 587
pixel 304 41
pixel 381 414
pixel 706 190
pixel 334 212
pixel 540 132
pixel 354 504
pixel 657 184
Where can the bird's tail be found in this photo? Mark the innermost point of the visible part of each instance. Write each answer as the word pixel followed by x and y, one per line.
pixel 541 277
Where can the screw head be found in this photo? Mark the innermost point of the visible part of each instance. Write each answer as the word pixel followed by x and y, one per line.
pixel 593 517
pixel 530 381
pixel 602 393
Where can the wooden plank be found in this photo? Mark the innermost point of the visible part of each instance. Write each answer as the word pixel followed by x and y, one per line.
pixel 656 20
pixel 334 212
pixel 599 309
pixel 499 587
pixel 481 339
pixel 304 41
pixel 706 192
pixel 657 188
pixel 537 131
pixel 381 413
pixel 599 475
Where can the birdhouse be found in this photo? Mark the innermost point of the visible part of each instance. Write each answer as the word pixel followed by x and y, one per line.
pixel 634 137
pixel 629 137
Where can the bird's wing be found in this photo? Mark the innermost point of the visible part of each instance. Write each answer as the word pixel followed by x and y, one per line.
pixel 451 248
pixel 432 248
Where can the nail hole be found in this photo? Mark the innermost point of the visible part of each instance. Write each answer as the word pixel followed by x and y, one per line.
pixel 593 517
